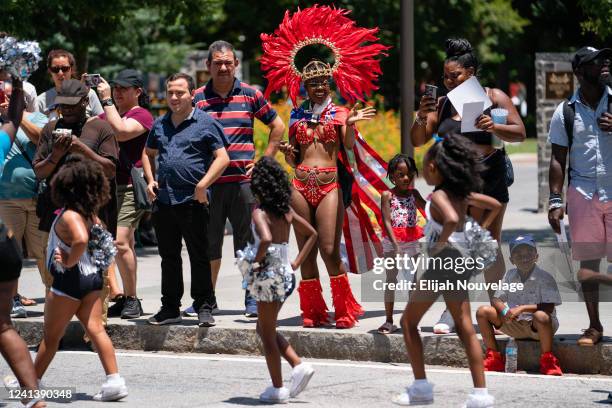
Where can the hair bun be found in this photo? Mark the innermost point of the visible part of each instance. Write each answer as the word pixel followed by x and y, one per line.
pixel 455 47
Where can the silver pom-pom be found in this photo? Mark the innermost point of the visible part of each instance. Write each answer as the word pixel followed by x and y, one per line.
pixel 102 248
pixel 244 261
pixel 19 58
pixel 480 242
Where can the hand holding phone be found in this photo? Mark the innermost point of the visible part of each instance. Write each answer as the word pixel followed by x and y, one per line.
pixel 431 91
pixel 92 80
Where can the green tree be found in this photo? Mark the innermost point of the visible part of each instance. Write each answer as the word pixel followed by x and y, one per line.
pixel 145 34
pixel 599 17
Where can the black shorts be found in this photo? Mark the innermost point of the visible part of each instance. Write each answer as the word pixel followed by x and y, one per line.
pixel 10 259
pixel 494 177
pixel 236 202
pixel 73 284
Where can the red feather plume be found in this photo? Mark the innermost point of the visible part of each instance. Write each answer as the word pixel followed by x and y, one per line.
pixel 355 68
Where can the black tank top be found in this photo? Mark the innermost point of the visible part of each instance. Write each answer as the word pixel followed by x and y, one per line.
pixel 447 126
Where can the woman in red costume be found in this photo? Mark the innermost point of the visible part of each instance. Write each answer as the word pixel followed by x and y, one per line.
pixel 319 130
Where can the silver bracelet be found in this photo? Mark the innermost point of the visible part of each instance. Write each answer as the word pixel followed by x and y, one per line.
pixel 420 122
pixel 554 205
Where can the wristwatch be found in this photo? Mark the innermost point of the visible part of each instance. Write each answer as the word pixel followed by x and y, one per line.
pixel 107 102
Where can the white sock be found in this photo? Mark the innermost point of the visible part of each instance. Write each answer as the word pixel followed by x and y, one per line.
pixel 112 377
pixel 421 382
pixel 480 391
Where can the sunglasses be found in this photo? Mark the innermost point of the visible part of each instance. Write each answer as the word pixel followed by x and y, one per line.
pixel 56 70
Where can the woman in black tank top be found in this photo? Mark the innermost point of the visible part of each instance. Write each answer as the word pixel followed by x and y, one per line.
pixel 440 117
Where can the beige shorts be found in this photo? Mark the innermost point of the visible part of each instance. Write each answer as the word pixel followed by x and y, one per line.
pixel 128 215
pixel 20 216
pixel 522 329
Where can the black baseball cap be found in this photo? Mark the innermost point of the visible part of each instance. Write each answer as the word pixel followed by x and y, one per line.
pixel 127 78
pixel 586 54
pixel 71 92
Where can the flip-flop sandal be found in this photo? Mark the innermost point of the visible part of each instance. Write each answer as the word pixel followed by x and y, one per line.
pixel 387 328
pixel 27 301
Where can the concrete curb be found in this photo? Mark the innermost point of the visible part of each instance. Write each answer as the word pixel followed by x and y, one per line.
pixel 324 343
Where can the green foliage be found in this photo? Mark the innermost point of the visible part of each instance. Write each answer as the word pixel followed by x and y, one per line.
pixel 155 35
pixel 150 35
pixel 599 13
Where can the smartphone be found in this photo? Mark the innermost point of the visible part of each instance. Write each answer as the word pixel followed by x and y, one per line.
pixel 2 94
pixel 431 91
pixel 92 80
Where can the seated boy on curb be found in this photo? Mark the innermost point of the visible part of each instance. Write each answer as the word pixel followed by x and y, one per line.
pixel 523 314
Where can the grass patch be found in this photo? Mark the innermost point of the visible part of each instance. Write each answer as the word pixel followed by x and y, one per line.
pixel 528 146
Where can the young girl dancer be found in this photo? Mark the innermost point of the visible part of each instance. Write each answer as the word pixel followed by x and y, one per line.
pixel 270 278
pixel 400 207
pixel 78 252
pixel 450 165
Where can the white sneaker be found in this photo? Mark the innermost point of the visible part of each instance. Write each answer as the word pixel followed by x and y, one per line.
pixel 11 381
pixel 275 395
pixel 416 394
pixel 112 390
pixel 300 376
pixel 445 325
pixel 479 401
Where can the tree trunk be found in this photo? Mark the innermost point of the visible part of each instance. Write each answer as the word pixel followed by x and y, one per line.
pixel 81 54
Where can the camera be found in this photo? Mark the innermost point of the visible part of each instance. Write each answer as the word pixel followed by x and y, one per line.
pixel 61 132
pixel 92 80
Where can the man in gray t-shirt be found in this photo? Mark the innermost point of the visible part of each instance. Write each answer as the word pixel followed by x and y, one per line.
pixel 61 66
pixel 527 313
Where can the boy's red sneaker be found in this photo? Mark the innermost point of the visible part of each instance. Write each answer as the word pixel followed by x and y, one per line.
pixel 549 364
pixel 494 361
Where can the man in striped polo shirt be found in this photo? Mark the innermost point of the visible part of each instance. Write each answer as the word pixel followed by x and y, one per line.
pixel 235 105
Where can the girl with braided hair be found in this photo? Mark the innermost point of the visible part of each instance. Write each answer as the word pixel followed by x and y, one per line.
pixel 270 277
pixel 452 166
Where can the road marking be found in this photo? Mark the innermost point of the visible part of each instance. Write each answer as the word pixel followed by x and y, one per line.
pixel 378 366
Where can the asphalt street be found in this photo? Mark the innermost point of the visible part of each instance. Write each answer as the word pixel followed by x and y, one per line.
pixel 192 380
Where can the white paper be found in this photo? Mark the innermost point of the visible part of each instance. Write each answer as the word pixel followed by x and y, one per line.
pixel 469 91
pixel 471 111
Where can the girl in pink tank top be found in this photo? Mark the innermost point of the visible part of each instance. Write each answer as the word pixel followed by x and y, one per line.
pixel 400 212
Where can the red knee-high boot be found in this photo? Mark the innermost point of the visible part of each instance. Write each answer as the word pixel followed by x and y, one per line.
pixel 314 309
pixel 347 310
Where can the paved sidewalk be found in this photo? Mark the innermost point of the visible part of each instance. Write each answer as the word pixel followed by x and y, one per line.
pixel 235 334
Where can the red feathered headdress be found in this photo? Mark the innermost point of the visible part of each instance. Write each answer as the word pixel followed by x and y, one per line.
pixel 355 65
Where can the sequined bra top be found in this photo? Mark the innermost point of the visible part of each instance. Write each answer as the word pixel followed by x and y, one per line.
pixel 303 137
